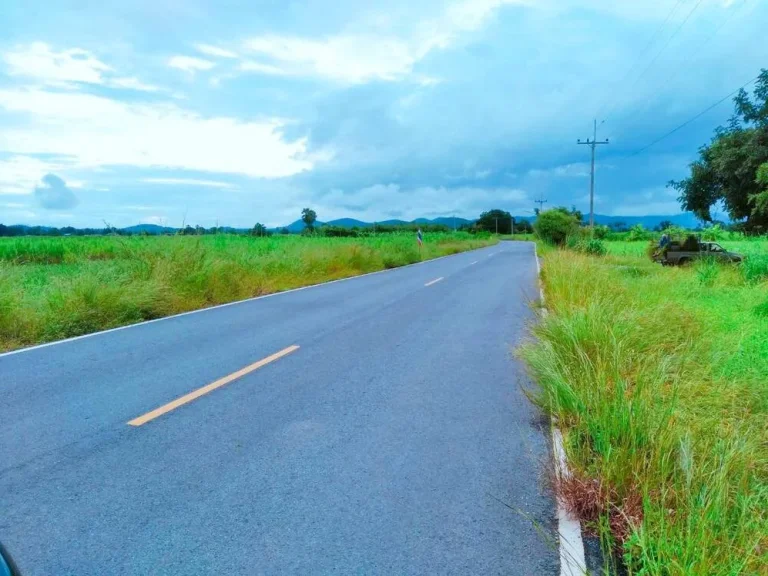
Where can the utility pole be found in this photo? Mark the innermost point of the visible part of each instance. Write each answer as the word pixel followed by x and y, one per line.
pixel 592 144
pixel 541 203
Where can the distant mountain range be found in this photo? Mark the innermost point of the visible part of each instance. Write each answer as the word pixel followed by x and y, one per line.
pixel 685 220
pixel 150 229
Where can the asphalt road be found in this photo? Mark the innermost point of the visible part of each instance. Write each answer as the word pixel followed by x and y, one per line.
pixel 395 440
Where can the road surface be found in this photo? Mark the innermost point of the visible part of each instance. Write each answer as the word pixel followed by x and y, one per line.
pixel 371 426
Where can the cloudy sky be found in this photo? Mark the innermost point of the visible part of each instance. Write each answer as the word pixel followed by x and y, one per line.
pixel 166 111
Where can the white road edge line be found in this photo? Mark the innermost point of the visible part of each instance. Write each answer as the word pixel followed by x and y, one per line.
pixel 572 559
pixel 235 303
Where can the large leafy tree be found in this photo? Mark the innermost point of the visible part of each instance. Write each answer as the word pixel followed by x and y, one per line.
pixel 309 216
pixel 760 200
pixel 727 168
pixel 488 221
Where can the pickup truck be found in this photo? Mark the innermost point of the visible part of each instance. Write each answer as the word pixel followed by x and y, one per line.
pixel 676 254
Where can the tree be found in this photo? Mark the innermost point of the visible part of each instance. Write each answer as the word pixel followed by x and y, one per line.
pixel 760 200
pixel 523 227
pixel 577 213
pixel 728 167
pixel 284 230
pixel 259 230
pixel 488 221
pixel 309 216
pixel 555 225
pixel 664 225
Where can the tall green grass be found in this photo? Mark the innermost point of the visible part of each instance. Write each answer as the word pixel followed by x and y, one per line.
pixel 52 288
pixel 659 377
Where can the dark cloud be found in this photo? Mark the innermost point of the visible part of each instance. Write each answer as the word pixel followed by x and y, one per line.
pixel 53 194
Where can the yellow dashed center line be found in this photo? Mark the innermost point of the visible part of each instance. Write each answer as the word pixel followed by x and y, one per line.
pixel 187 398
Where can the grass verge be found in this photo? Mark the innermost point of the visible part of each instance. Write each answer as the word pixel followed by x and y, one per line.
pixel 54 288
pixel 659 379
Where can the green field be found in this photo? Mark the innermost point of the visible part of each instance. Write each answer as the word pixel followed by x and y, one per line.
pixel 53 288
pixel 659 379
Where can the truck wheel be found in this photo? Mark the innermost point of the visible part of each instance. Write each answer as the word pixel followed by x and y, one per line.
pixel 683 261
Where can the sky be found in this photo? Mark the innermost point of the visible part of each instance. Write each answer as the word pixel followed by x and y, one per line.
pixel 236 112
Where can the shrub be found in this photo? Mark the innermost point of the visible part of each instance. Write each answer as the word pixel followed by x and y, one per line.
pixel 601 232
pixel 581 242
pixel 594 247
pixel 637 232
pixel 573 241
pixel 555 226
pixel 754 268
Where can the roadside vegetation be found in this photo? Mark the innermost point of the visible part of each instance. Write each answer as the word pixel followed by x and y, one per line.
pixel 658 376
pixel 53 288
pixel 659 379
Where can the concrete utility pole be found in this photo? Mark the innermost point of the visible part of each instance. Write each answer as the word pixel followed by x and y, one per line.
pixel 592 144
pixel 497 225
pixel 541 203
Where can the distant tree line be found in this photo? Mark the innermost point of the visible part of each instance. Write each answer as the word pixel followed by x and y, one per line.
pixel 52 231
pixel 491 221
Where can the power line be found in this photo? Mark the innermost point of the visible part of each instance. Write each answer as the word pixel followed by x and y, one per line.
pixel 697 51
pixel 660 52
pixel 645 49
pixel 701 46
pixel 699 115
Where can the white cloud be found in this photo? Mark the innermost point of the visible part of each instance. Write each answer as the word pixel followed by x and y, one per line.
pixel 67 67
pixel 190 64
pixel 214 51
pixel 94 131
pixel 575 170
pixel 347 58
pixel 253 66
pixel 20 174
pixel 132 83
pixel 40 62
pixel 463 16
pixel 188 182
pixel 359 57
